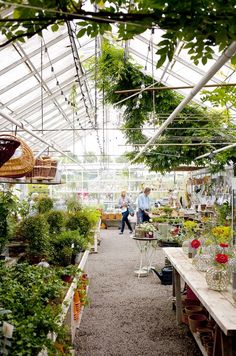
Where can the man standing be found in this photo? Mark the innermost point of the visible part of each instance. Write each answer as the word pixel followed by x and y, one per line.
pixel 144 205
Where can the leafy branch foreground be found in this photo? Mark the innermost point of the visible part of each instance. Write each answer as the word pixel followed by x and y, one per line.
pixel 201 24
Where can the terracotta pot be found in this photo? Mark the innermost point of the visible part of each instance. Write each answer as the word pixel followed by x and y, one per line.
pixel 193 309
pixel 67 278
pixel 188 301
pixel 196 320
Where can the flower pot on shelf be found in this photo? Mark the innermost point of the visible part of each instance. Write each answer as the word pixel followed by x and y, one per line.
pixel 196 321
pixel 193 309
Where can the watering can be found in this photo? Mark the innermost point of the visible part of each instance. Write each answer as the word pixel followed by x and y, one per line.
pixel 165 276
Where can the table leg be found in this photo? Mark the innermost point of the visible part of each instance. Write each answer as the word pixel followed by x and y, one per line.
pixel 226 344
pixel 173 291
pixel 178 297
pixel 141 262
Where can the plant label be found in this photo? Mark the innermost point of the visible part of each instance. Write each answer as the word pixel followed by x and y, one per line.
pixel 7 330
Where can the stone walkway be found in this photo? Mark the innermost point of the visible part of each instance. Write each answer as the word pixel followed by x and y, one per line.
pixel 128 316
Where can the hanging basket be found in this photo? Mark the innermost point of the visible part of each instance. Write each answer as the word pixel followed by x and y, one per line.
pixel 19 166
pixel 8 145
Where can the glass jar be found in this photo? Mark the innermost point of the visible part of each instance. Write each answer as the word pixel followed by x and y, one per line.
pixel 234 286
pixel 232 267
pixel 186 245
pixel 202 262
pixel 217 278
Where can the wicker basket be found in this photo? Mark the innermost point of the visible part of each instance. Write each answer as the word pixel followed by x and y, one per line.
pixel 45 168
pixel 8 145
pixel 53 169
pixel 20 166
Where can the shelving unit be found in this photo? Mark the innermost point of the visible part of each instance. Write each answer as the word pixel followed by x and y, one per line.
pixel 199 343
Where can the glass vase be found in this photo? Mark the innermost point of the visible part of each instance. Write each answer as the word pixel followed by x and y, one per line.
pixel 202 262
pixel 186 245
pixel 217 278
pixel 232 266
pixel 234 286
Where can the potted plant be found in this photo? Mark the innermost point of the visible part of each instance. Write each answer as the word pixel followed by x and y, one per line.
pixel 56 221
pixel 35 230
pixel 79 221
pixel 149 230
pixel 44 205
pixel 66 246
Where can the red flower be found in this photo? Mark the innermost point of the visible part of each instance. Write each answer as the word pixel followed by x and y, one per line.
pixel 221 258
pixel 195 244
pixel 224 245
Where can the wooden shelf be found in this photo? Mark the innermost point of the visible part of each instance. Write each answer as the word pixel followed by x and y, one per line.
pixel 20 181
pixel 200 345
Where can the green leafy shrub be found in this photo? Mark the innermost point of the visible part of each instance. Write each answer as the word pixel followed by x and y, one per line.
pixel 35 230
pixel 44 205
pixel 93 215
pixel 56 221
pixel 66 246
pixel 32 294
pixel 79 221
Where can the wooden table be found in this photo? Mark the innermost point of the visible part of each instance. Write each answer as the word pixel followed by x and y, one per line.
pixel 220 305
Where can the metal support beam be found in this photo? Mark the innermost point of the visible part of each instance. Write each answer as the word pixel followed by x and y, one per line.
pixel 228 53
pixel 216 151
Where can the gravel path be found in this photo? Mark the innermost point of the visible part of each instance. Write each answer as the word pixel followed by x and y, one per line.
pixel 128 316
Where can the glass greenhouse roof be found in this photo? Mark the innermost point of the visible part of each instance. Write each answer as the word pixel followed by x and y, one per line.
pixel 38 77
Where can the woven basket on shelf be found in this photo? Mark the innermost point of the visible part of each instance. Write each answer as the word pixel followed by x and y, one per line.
pixel 8 145
pixel 45 168
pixel 19 166
pixel 53 170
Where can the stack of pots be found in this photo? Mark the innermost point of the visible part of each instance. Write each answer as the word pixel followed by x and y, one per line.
pixel 193 315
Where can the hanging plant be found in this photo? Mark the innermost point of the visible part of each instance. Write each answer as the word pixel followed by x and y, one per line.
pixel 175 147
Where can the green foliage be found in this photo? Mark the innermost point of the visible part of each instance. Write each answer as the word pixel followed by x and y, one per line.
pixel 31 293
pixel 73 204
pixel 44 205
pixel 223 212
pixel 92 214
pixel 10 207
pixel 56 221
pixel 66 245
pixel 35 230
pixel 79 221
pixel 115 74
pixel 201 25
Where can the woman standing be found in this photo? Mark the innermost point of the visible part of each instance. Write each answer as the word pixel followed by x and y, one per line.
pixel 124 203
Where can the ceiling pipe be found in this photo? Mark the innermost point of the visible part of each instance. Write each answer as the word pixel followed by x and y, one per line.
pixel 228 53
pixel 216 151
pixel 38 137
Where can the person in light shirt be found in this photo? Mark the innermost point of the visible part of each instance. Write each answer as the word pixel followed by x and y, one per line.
pixel 144 205
pixel 124 203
